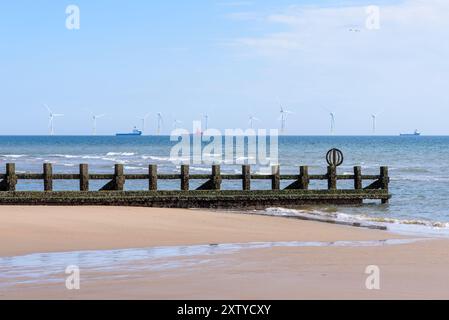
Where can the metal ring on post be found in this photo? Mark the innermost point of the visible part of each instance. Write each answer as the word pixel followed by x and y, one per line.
pixel 334 157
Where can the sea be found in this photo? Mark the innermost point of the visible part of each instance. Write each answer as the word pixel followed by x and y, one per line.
pixel 418 167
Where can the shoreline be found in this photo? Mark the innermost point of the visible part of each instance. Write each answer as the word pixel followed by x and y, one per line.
pixel 408 269
pixel 27 229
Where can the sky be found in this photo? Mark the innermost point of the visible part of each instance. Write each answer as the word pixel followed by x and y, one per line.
pixel 229 59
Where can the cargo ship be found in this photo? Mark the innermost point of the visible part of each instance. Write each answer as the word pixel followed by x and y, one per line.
pixel 135 132
pixel 414 134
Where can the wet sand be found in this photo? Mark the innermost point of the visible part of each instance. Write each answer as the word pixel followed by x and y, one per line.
pixel 407 271
pixel 57 229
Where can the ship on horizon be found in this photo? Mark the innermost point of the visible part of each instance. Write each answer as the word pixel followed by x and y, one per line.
pixel 416 133
pixel 135 132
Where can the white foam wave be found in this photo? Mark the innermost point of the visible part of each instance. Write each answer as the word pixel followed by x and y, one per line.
pixel 213 155
pixel 244 158
pixel 406 226
pixel 412 169
pixel 120 161
pixel 200 169
pixel 134 168
pixel 265 171
pixel 425 178
pixel 66 156
pixel 14 156
pixel 126 154
pixel 156 158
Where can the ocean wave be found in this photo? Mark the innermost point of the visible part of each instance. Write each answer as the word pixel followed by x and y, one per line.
pixel 408 226
pixel 156 158
pixel 166 159
pixel 66 156
pixel 134 168
pixel 14 156
pixel 420 178
pixel 119 161
pixel 244 158
pixel 200 169
pixel 126 154
pixel 212 155
pixel 411 170
pixel 264 171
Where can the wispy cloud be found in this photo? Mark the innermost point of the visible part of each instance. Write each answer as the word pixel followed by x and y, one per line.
pixel 306 27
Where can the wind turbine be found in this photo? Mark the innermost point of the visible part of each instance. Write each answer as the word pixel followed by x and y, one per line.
pixel 283 118
pixel 52 116
pixel 160 120
pixel 252 119
pixel 374 118
pixel 94 122
pixel 332 115
pixel 206 121
pixel 332 118
pixel 144 119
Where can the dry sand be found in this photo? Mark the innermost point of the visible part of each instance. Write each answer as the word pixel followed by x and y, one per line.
pixel 415 270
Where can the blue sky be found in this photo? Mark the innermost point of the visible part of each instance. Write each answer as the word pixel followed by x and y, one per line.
pixel 229 58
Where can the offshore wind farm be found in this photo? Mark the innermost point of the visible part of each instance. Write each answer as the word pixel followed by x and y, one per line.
pixel 158 119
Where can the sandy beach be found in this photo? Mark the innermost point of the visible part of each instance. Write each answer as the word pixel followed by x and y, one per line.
pixel 410 270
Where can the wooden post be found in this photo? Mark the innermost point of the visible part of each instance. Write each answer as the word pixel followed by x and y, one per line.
pixel 185 177
pixel 246 177
pixel 84 177
pixel 152 172
pixel 275 178
pixel 48 177
pixel 358 178
pixel 216 177
pixel 119 177
pixel 384 181
pixel 11 178
pixel 304 177
pixel 332 177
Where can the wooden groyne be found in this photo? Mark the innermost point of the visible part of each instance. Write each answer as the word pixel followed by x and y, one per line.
pixel 208 195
